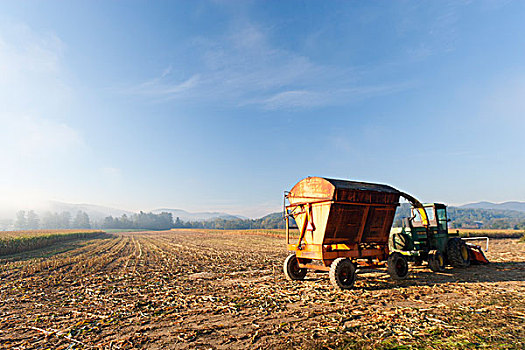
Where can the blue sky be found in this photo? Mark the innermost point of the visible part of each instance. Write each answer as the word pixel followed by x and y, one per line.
pixel 223 105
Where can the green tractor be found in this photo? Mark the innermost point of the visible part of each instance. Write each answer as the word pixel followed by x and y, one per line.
pixel 424 236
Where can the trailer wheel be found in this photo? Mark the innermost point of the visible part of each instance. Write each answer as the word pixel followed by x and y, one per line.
pixel 457 253
pixel 342 273
pixel 291 268
pixel 436 261
pixel 397 266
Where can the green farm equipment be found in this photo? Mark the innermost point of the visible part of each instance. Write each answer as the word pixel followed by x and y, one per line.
pixel 424 236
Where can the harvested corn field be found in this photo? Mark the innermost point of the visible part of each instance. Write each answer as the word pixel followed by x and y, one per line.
pixel 221 290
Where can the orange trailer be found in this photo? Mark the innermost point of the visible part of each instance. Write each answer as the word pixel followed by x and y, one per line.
pixel 342 224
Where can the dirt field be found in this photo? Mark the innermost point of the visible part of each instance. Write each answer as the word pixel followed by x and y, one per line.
pixel 191 290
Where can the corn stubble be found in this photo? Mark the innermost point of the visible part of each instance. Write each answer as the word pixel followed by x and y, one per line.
pixel 221 290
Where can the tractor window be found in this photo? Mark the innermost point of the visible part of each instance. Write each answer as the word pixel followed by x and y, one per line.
pixel 430 213
pixel 442 215
pixel 419 220
pixel 442 218
pixel 416 215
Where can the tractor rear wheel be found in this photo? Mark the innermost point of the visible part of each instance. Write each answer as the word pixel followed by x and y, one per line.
pixel 397 266
pixel 342 273
pixel 291 268
pixel 457 253
pixel 436 261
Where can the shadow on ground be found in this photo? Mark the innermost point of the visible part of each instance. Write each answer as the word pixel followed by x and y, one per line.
pixel 378 279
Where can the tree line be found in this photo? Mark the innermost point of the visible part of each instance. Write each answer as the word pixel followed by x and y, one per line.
pixel 164 221
pixel 271 221
pixel 31 221
pixel 148 221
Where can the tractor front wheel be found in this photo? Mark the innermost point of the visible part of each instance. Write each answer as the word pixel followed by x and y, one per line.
pixel 457 253
pixel 342 273
pixel 397 266
pixel 291 268
pixel 436 261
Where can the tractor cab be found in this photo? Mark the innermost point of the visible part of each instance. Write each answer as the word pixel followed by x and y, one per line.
pixel 434 217
pixel 426 228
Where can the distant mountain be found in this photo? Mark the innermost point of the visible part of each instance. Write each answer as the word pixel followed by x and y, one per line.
pixel 95 212
pixel 202 216
pixel 517 206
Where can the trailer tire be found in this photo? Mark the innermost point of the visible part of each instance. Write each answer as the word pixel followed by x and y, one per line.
pixel 397 266
pixel 291 268
pixel 457 253
pixel 342 273
pixel 436 261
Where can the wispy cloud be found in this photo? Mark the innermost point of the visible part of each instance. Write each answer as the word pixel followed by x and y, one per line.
pixel 292 99
pixel 163 88
pixel 307 99
pixel 243 68
pixel 435 26
pixel 34 97
pixel 31 75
